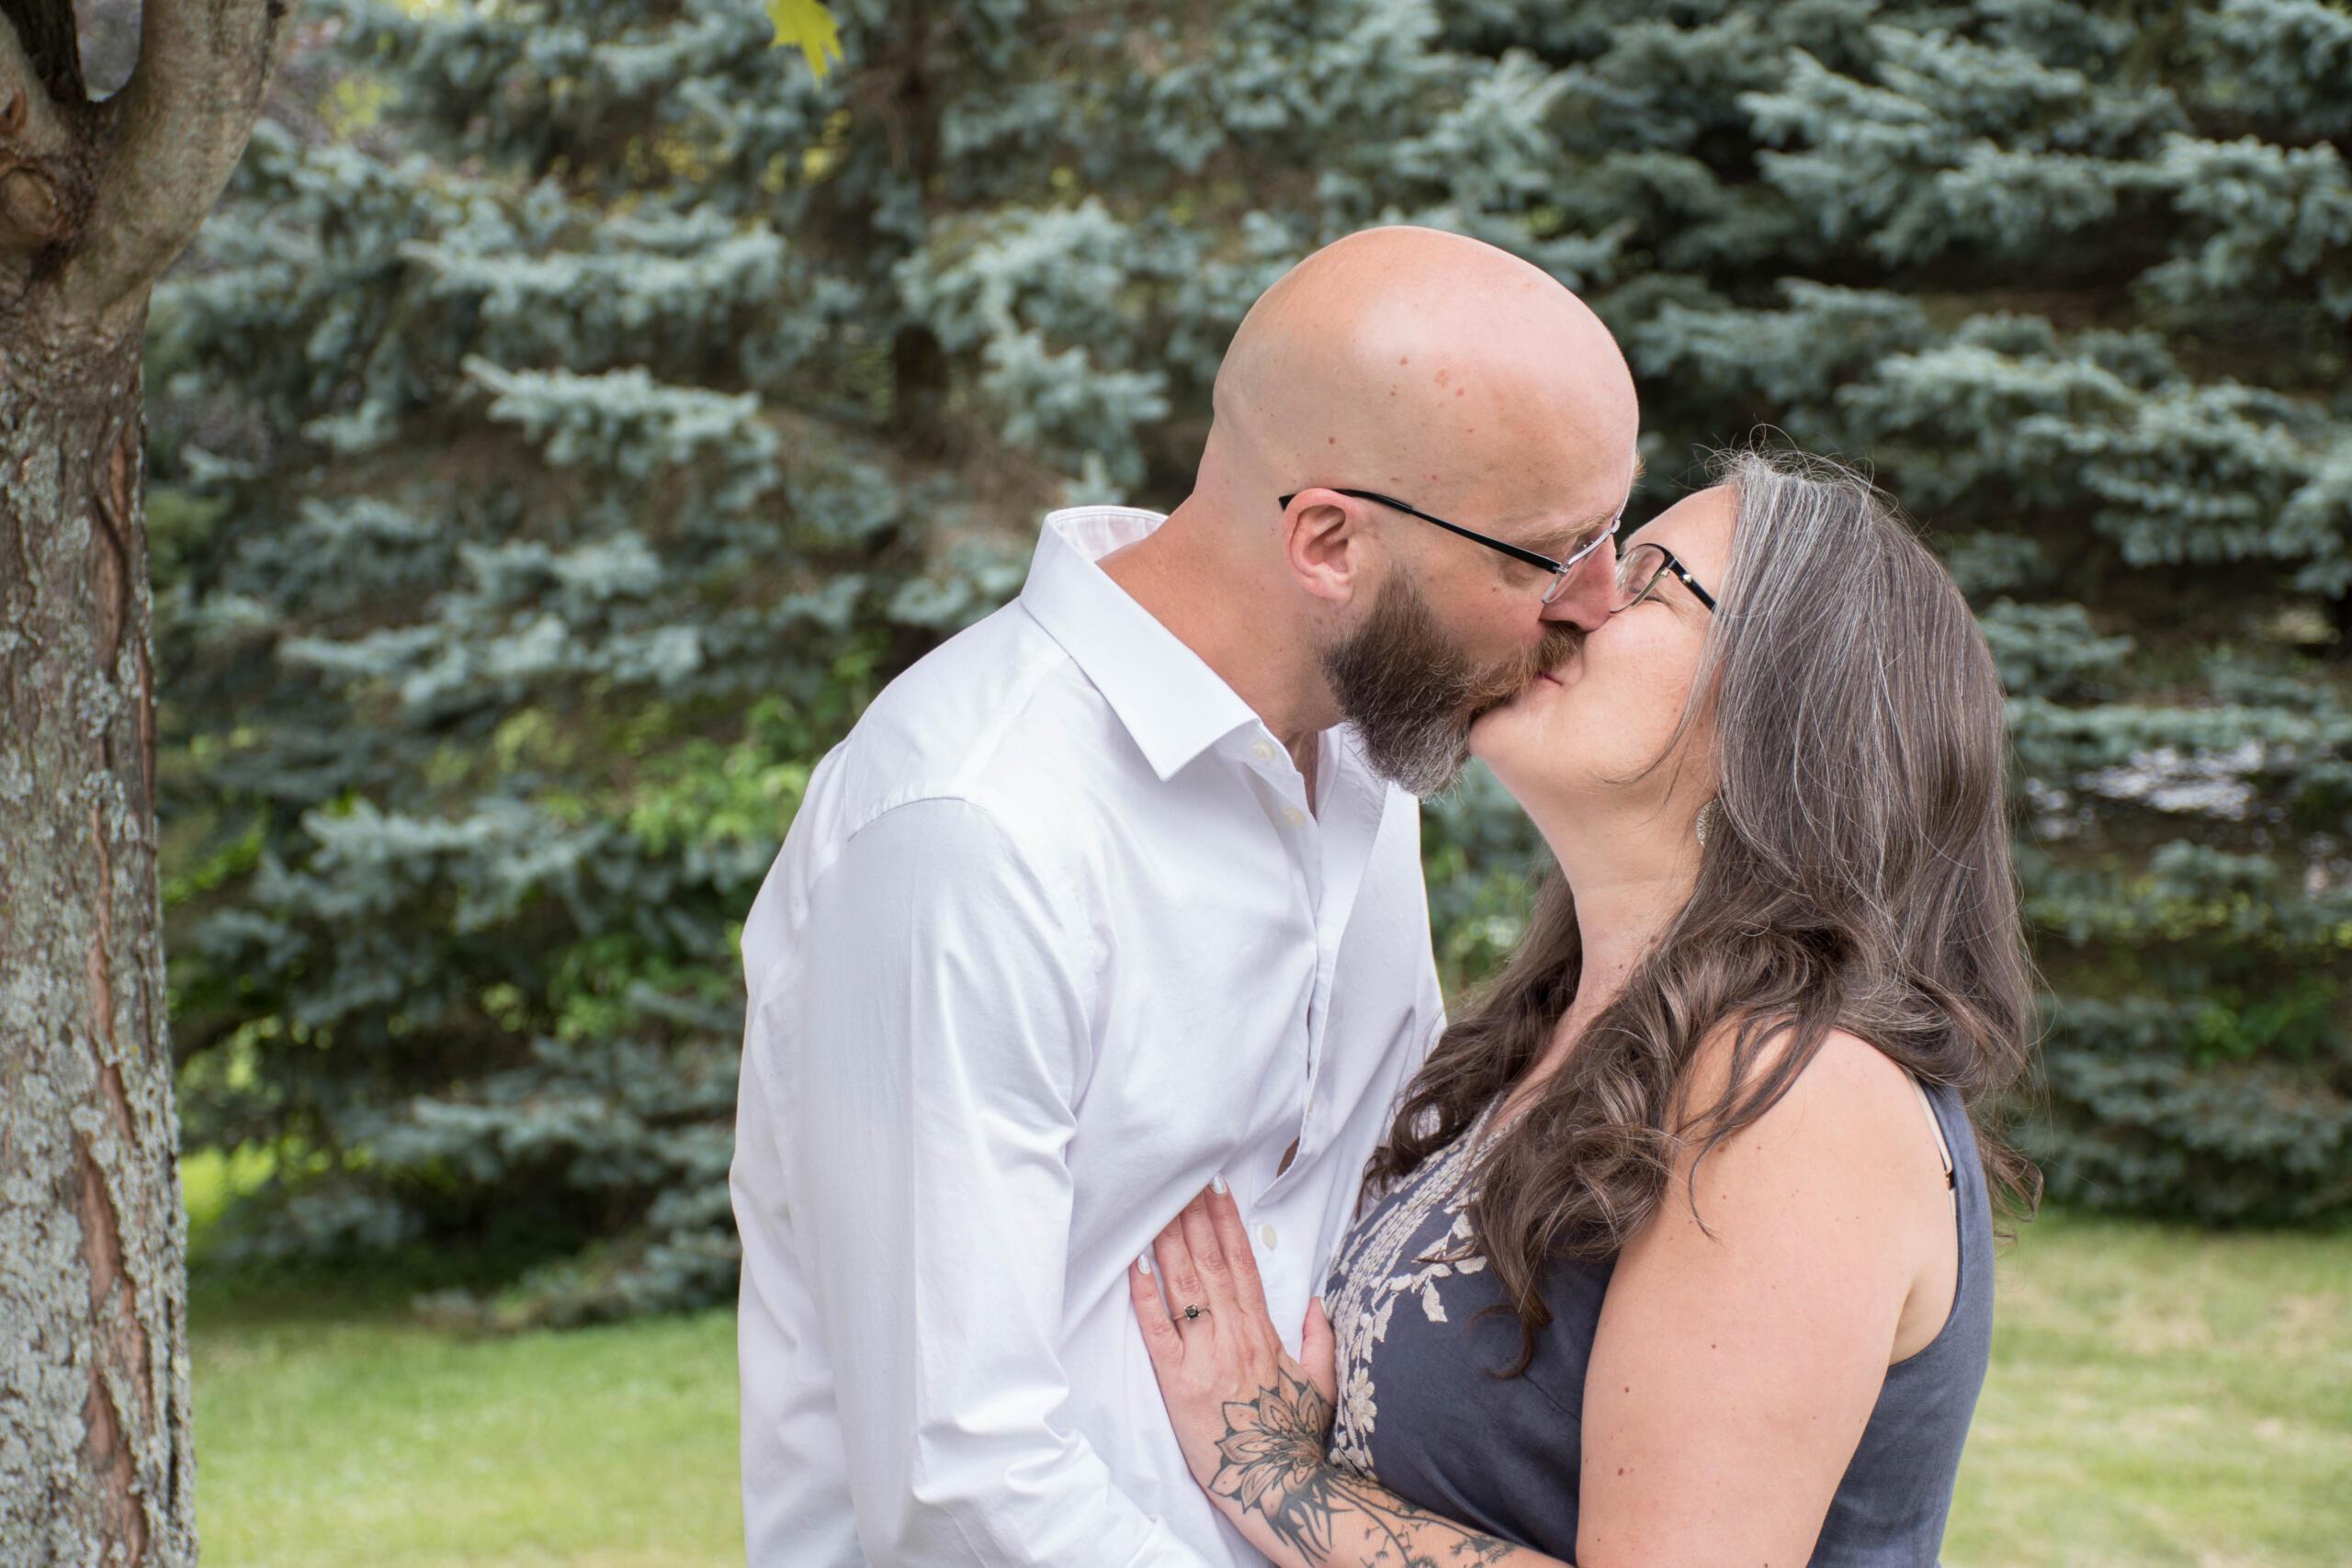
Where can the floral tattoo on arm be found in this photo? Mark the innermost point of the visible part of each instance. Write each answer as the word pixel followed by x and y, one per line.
pixel 1273 1465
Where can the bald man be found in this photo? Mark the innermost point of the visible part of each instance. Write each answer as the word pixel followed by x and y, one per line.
pixel 1119 891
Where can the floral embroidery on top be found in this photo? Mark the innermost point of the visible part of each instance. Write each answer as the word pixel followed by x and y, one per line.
pixel 1372 1276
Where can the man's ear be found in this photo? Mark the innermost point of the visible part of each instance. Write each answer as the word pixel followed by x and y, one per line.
pixel 1325 545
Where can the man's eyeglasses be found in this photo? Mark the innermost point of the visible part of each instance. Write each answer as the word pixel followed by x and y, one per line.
pixel 1558 569
pixel 1641 569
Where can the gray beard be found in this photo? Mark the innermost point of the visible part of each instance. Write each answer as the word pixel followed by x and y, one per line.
pixel 1412 695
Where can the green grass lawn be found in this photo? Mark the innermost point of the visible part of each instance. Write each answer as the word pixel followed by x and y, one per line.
pixel 2157 1396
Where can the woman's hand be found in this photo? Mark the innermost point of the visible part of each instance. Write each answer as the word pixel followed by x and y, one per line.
pixel 1254 1424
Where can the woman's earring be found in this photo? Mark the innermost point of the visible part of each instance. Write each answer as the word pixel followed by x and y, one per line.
pixel 1710 814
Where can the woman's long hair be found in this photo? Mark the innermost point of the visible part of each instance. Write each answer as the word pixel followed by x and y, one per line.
pixel 1857 877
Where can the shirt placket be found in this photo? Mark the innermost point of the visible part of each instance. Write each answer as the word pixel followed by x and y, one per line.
pixel 1350 820
pixel 1330 854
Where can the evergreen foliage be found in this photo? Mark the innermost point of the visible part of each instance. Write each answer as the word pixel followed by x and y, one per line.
pixel 555 449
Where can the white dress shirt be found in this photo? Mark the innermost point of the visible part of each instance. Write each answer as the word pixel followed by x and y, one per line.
pixel 1054 937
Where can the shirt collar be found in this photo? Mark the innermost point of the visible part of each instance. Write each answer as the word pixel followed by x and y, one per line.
pixel 1172 704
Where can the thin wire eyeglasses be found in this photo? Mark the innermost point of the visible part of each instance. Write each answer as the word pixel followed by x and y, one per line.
pixel 1558 569
pixel 1639 569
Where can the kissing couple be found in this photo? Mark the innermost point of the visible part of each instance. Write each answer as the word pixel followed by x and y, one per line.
pixel 1115 1190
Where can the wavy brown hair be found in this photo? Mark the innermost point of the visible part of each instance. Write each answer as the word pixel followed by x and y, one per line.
pixel 1857 877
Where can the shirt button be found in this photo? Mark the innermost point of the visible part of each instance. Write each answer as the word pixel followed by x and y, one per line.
pixel 1263 751
pixel 1292 817
pixel 1266 1234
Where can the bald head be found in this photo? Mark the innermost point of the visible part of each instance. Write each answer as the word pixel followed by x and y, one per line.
pixel 1435 368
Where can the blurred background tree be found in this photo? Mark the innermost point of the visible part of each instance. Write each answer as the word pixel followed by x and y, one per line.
pixel 582 407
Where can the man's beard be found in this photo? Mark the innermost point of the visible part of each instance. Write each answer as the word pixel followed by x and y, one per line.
pixel 1413 694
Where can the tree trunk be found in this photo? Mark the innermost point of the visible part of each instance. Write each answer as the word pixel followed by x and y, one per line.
pixel 96 197
pixel 93 1383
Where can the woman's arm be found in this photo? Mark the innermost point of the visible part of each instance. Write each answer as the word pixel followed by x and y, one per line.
pixel 1323 1515
pixel 1740 1352
pixel 1256 1425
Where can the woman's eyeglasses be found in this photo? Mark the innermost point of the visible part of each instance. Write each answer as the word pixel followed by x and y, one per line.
pixel 1641 569
pixel 1558 569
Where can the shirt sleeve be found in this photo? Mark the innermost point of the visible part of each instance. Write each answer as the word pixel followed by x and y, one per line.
pixel 938 1041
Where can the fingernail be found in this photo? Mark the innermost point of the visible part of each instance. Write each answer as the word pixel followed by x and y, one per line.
pixel 1216 1184
pixel 1143 1261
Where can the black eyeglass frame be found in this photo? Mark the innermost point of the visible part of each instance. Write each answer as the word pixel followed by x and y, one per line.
pixel 1558 569
pixel 1671 564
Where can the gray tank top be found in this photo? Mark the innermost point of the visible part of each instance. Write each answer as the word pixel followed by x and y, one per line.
pixel 1418 1412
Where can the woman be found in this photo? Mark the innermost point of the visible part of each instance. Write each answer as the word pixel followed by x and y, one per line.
pixel 1680 1244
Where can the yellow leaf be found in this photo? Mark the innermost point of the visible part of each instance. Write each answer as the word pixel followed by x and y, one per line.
pixel 808 24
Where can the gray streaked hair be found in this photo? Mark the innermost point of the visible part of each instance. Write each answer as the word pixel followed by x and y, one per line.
pixel 1857 877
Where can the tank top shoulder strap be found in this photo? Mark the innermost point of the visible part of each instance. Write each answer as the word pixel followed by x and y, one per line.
pixel 1972 1226
pixel 1936 1125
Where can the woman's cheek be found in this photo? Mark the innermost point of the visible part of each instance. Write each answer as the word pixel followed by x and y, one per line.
pixel 1642 683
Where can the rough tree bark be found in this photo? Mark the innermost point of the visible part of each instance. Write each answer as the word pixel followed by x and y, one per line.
pixel 96 200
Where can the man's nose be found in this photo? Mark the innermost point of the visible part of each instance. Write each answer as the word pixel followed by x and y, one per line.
pixel 1586 598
